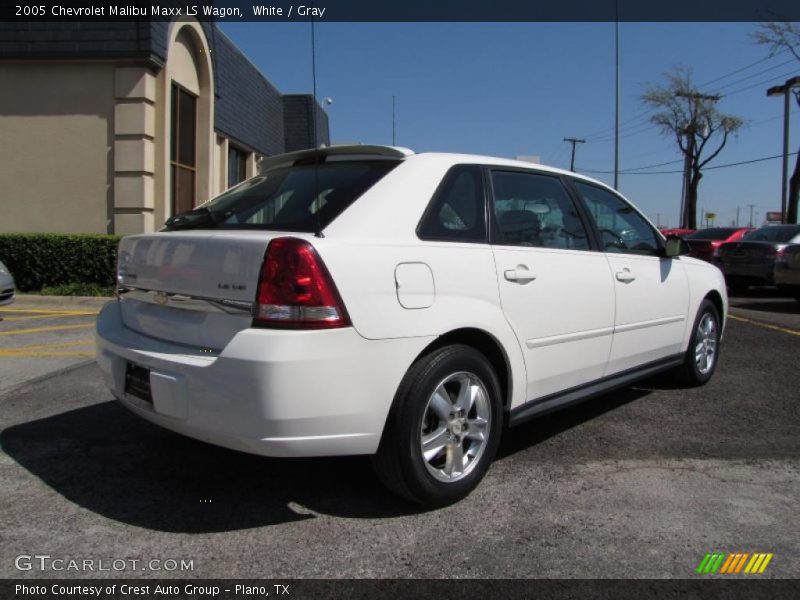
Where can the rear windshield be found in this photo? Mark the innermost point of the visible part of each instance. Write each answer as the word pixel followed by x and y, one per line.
pixel 774 233
pixel 303 198
pixel 714 233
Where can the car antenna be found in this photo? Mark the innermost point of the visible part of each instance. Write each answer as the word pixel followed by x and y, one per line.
pixel 318 232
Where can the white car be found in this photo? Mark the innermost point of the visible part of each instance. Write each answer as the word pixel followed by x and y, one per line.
pixel 7 289
pixel 369 300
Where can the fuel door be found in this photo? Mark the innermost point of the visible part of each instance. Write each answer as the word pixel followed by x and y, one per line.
pixel 414 284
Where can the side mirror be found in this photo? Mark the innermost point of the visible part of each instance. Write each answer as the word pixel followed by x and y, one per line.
pixel 675 246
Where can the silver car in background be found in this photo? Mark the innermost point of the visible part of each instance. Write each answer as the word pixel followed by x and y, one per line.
pixel 6 286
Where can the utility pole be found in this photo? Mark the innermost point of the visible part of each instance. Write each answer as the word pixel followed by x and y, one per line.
pixel 785 90
pixel 752 206
pixel 737 216
pixel 687 161
pixel 573 141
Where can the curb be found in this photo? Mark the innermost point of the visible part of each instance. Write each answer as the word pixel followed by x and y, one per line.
pixel 32 300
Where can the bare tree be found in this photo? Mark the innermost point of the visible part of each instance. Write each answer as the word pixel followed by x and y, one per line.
pixel 698 127
pixel 780 37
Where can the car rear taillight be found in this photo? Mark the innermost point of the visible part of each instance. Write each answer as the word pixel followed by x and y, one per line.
pixel 295 290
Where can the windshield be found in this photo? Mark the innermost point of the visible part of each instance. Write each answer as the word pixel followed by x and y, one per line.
pixel 774 233
pixel 301 198
pixel 713 233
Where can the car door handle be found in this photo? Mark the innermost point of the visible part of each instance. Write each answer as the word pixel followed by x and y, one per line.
pixel 625 276
pixel 520 275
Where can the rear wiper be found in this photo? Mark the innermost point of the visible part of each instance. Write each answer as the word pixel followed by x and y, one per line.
pixel 191 219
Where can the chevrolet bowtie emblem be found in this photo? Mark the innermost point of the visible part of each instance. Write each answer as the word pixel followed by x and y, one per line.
pixel 161 298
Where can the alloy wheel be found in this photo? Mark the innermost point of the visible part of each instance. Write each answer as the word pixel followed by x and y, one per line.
pixel 455 427
pixel 705 349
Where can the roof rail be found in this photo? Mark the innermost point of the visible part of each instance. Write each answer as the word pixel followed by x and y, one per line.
pixel 364 150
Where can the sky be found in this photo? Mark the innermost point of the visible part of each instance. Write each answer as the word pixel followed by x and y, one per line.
pixel 510 89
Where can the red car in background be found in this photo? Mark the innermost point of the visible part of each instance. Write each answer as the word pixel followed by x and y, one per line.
pixel 704 244
pixel 681 232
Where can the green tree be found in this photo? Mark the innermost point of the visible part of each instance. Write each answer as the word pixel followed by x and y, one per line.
pixel 692 119
pixel 780 37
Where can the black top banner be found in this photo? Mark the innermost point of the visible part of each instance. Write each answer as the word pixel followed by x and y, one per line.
pixel 408 10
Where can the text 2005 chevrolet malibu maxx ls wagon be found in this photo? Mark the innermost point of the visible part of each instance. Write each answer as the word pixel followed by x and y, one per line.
pixel 369 300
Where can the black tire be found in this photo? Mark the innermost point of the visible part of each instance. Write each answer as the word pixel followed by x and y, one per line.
pixel 690 372
pixel 399 462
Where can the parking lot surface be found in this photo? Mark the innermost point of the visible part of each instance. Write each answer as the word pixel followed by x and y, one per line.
pixel 38 338
pixel 642 482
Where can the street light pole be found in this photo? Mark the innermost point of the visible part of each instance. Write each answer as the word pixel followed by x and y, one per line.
pixel 616 95
pixel 785 90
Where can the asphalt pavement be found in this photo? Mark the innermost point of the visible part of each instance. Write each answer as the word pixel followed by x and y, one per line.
pixel 43 335
pixel 639 483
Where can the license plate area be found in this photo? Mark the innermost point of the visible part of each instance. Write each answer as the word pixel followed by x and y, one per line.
pixel 137 383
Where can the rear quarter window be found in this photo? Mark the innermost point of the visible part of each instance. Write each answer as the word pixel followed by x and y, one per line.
pixel 457 211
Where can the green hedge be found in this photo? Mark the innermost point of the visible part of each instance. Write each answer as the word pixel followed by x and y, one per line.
pixel 38 260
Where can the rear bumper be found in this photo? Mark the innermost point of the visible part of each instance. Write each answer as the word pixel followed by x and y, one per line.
pixel 754 273
pixel 269 392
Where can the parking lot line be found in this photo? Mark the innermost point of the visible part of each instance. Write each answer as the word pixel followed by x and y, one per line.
pixel 16 353
pixel 47 316
pixel 764 325
pixel 51 345
pixel 44 329
pixel 49 311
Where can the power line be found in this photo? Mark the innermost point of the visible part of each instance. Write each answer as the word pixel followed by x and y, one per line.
pixel 630 133
pixel 624 124
pixel 745 68
pixel 550 157
pixel 734 164
pixel 761 83
pixel 629 123
pixel 753 75
pixel 671 162
pixel 770 119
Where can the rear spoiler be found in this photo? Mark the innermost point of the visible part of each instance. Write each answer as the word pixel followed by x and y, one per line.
pixel 353 151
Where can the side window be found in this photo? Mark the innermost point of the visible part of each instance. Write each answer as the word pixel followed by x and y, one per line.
pixel 457 211
pixel 535 210
pixel 622 229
